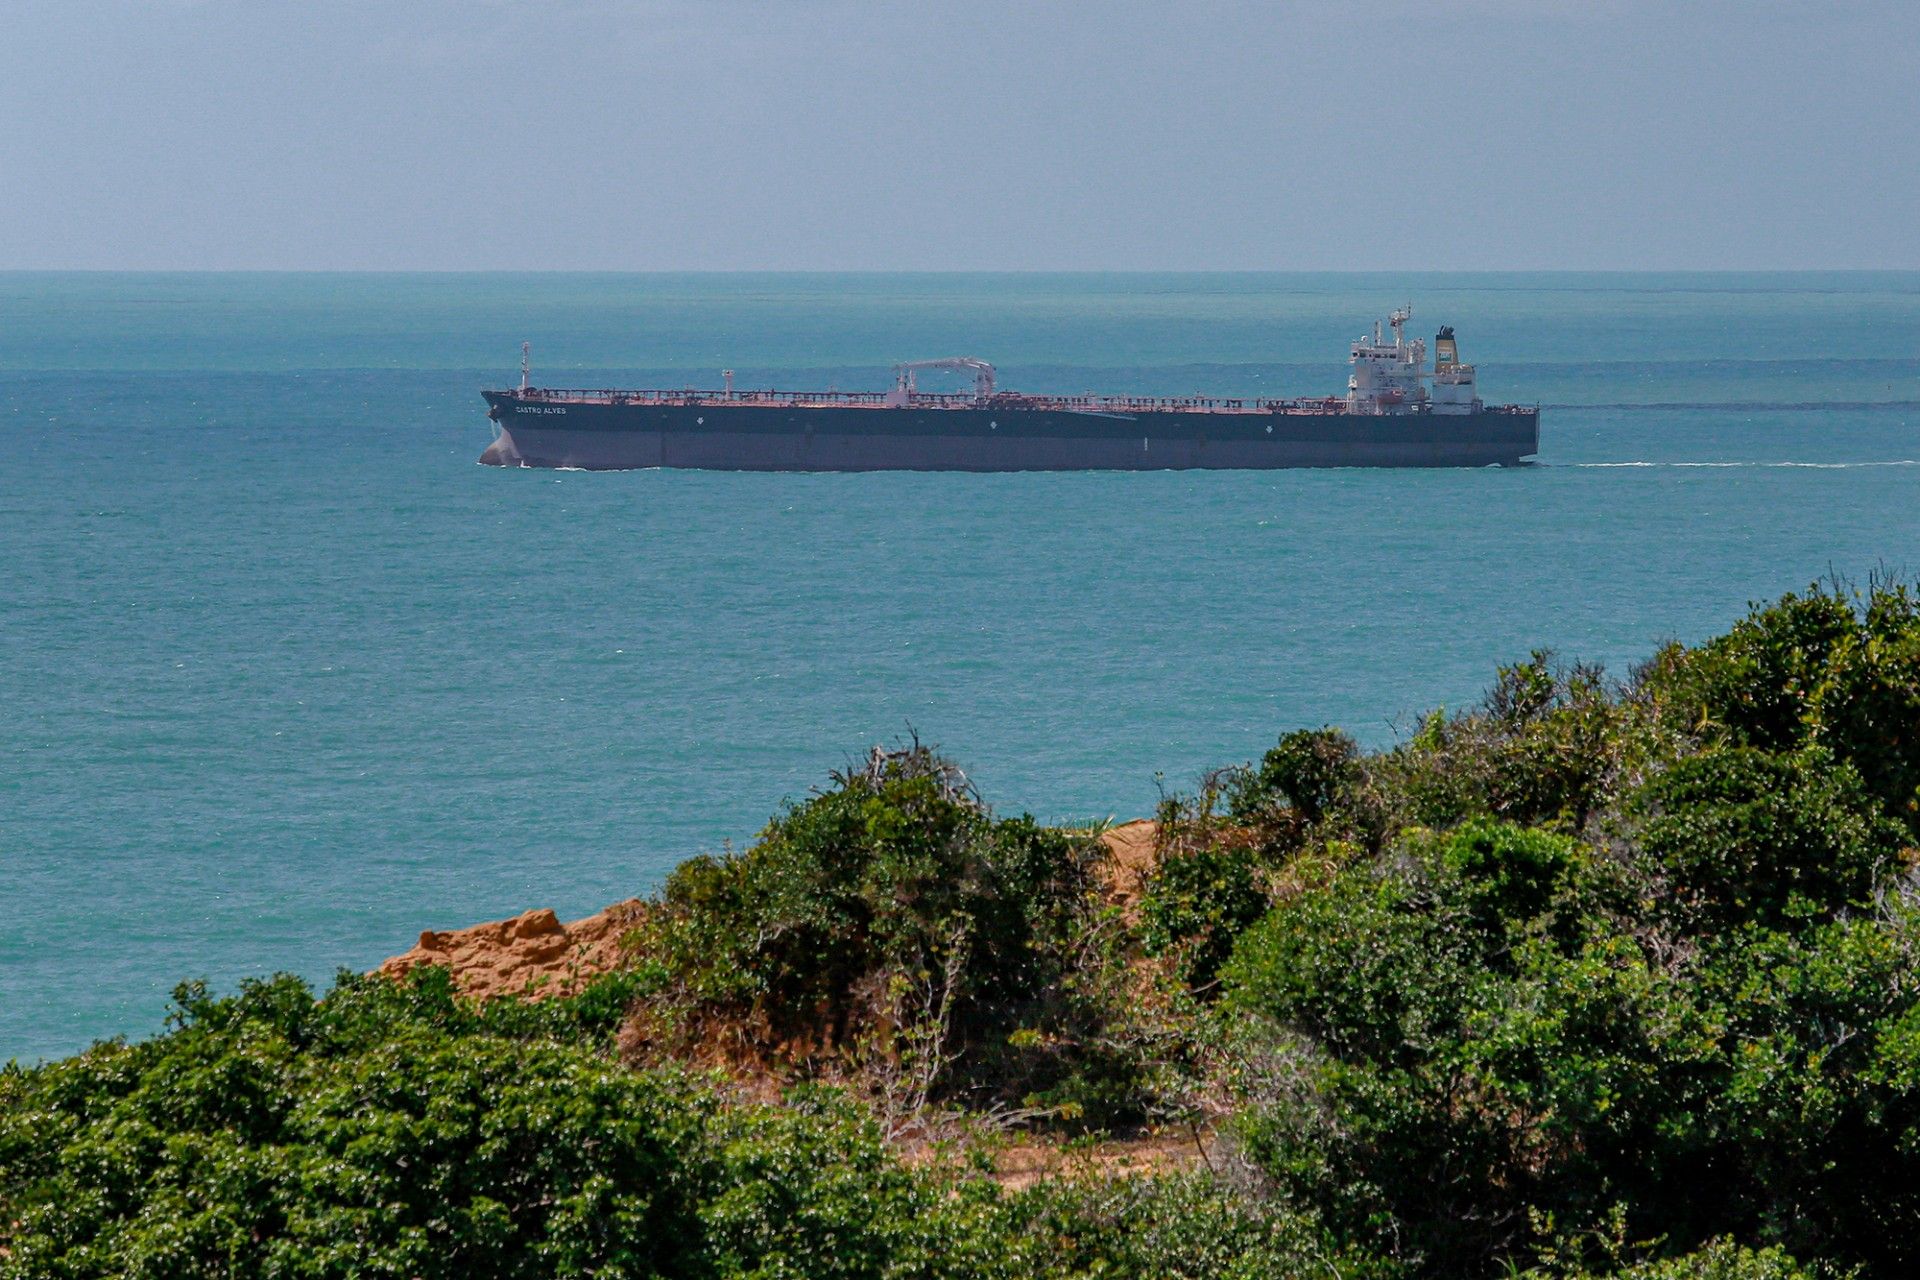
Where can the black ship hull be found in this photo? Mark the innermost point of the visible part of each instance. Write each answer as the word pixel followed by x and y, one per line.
pixel 721 436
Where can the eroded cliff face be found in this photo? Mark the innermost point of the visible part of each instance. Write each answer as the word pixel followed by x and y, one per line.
pixel 532 954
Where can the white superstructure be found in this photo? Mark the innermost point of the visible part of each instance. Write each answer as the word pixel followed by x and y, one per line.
pixel 1389 376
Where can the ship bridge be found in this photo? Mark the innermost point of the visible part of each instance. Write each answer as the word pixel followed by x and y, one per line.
pixel 1389 375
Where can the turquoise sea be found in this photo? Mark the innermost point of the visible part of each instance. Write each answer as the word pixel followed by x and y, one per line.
pixel 286 678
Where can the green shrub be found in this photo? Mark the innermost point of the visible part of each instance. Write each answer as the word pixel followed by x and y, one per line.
pixel 1483 1027
pixel 1312 772
pixel 1719 1260
pixel 1697 1025
pixel 1739 835
pixel 381 1132
pixel 1551 746
pixel 272 1135
pixel 892 905
pixel 1829 667
pixel 1867 709
pixel 1756 684
pixel 1724 1260
pixel 1454 1042
pixel 1196 904
pixel 1174 1227
pixel 808 1190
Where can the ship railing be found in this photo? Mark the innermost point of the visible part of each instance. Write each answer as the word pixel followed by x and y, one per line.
pixel 917 399
pixel 689 396
pixel 1123 404
pixel 695 396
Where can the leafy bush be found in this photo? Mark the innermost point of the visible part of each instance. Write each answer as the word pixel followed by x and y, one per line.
pixel 1826 667
pixel 1552 746
pixel 1867 710
pixel 1720 1260
pixel 1741 835
pixel 1478 1030
pixel 1457 1044
pixel 1196 904
pixel 1724 1260
pixel 892 914
pixel 381 1132
pixel 809 1190
pixel 1174 1227
pixel 1693 1022
pixel 1312 773
pixel 1756 684
pixel 1204 885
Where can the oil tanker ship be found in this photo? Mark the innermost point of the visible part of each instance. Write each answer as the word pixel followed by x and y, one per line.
pixel 1395 414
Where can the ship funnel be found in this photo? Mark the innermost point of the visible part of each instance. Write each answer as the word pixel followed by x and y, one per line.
pixel 1444 351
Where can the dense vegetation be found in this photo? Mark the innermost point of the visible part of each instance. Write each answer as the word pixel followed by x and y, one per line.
pixel 1594 979
pixel 393 1130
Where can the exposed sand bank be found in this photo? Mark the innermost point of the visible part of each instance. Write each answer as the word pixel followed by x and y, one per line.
pixel 533 954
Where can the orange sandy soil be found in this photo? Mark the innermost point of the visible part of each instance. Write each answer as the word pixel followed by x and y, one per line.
pixel 531 954
pixel 1131 844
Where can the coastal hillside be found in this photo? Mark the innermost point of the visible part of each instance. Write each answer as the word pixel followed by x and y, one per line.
pixel 1606 976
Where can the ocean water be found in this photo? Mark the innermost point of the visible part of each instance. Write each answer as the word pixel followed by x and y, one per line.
pixel 286 678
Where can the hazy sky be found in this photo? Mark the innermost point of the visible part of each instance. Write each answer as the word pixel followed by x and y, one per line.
pixel 992 134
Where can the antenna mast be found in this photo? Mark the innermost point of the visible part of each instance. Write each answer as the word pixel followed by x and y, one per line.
pixel 1399 320
pixel 526 364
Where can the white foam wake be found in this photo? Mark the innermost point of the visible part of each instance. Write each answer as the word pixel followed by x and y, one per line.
pixel 1812 466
